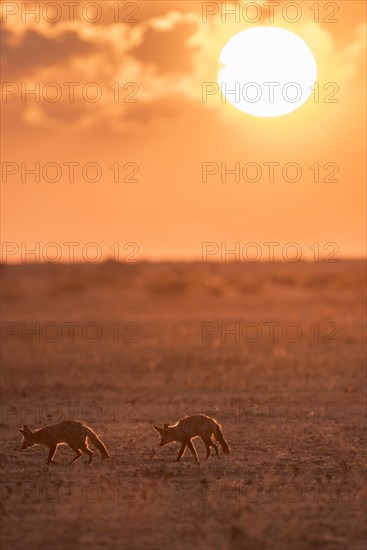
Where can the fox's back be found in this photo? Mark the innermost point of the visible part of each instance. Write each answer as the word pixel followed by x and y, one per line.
pixel 63 432
pixel 196 424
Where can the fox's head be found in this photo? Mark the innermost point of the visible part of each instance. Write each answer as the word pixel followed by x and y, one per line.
pixel 27 437
pixel 167 434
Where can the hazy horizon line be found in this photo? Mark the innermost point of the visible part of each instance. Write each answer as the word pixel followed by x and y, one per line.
pixel 165 260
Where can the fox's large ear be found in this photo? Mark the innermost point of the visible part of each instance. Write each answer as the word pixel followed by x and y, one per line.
pixel 26 429
pixel 159 430
pixel 20 430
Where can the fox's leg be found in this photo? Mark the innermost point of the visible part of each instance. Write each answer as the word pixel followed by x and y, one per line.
pixel 207 444
pixel 193 450
pixel 51 454
pixel 215 447
pixel 181 452
pixel 84 447
pixel 78 454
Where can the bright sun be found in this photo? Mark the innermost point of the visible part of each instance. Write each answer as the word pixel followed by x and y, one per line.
pixel 267 71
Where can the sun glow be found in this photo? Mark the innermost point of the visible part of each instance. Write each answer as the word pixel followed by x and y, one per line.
pixel 267 71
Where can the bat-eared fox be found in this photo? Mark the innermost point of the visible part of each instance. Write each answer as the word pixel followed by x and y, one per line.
pixel 73 433
pixel 191 426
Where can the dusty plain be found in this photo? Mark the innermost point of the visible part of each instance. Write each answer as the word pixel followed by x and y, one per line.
pixel 275 352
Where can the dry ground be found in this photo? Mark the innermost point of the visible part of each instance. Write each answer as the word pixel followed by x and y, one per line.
pixel 293 412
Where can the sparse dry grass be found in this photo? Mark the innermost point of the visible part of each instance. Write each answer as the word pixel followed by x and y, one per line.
pixel 292 412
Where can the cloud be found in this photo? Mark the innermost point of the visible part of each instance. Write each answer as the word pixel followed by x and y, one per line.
pixel 167 49
pixel 36 51
pixel 339 64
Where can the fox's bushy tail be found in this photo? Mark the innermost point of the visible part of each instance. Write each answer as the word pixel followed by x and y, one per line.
pixel 97 442
pixel 219 437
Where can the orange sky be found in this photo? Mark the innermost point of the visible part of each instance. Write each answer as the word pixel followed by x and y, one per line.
pixel 169 132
